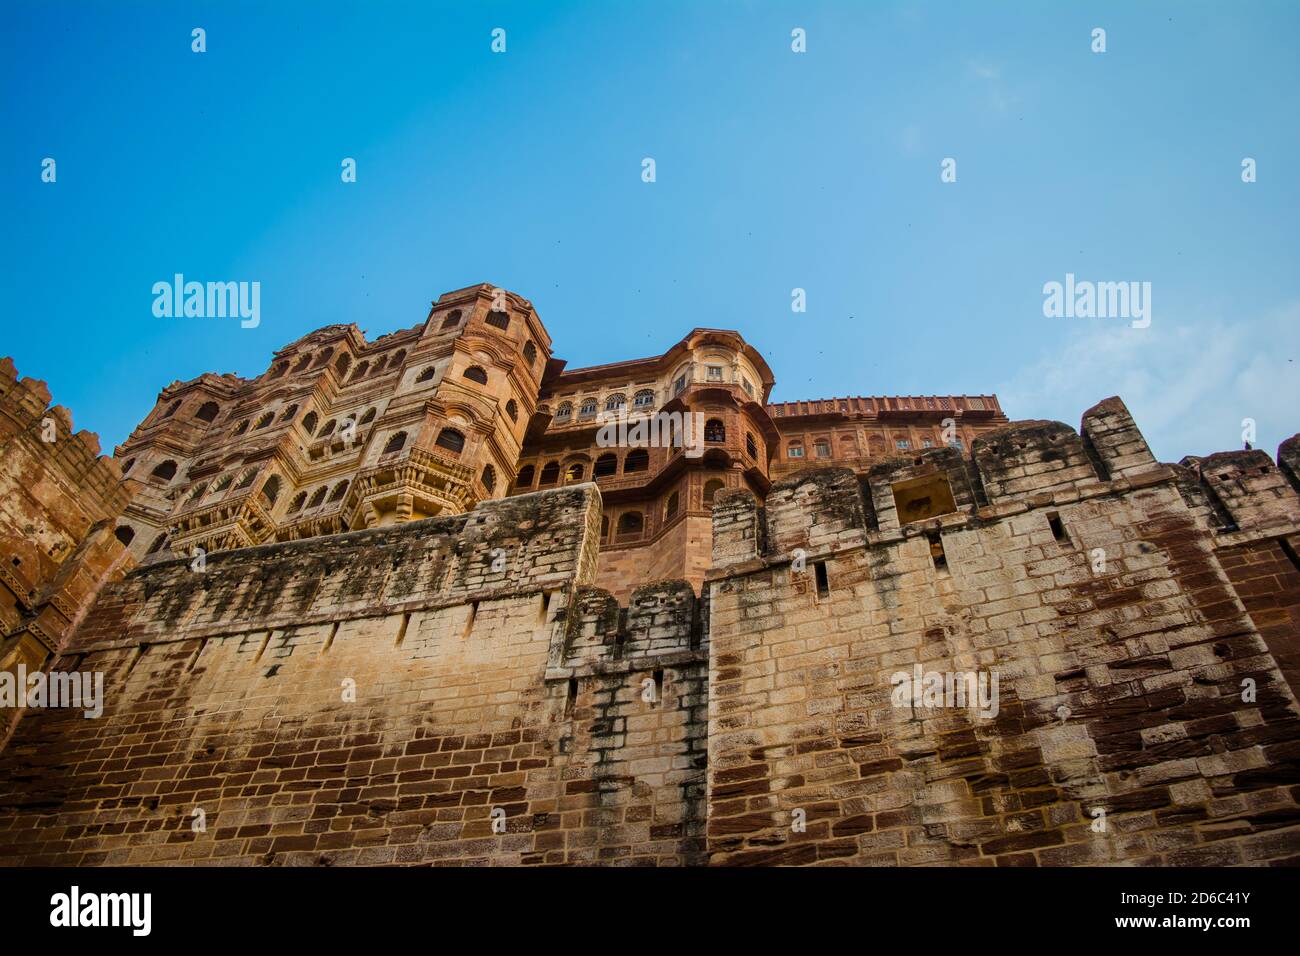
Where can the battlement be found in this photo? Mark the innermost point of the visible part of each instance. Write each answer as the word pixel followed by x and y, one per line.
pixel 1023 465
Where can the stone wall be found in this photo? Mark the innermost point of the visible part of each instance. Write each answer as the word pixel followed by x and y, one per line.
pixel 1140 715
pixel 374 697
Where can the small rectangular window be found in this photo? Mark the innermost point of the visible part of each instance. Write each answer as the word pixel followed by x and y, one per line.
pixel 1058 529
pixel 823 581
pixel 714 373
pixel 936 551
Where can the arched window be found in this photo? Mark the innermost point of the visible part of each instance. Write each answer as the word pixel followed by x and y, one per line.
pixel 342 364
pixel 605 465
pixel 298 501
pixel 499 320
pixel 264 421
pixel 271 490
pixel 822 448
pixel 379 365
pixel 449 439
pixel 309 423
pixel 512 409
pixel 550 473
pixel 751 446
pixel 317 498
pixel 711 489
pixel 426 375
pixel 124 533
pixel 794 450
pixel 588 409
pixel 715 431
pixel 451 321
pixel 197 493
pixel 368 417
pixel 398 442
pixel 302 363
pixel 127 466
pixel 247 480
pixel 361 371
pixel 476 374
pixel 165 470
pixel 207 412
pixel 398 358
pixel 222 483
pixel 574 472
pixel 241 427
pixel 172 411
pixel 339 491
pixel 324 357
pixel 326 429
pixel 670 508
pixel 644 399
pixel 530 352
pixel 604 526
pixel 564 412
pixel 525 477
pixel 288 413
pixel 630 522
pixel 638 459
pixel 615 402
pixel 158 543
pixel 489 478
pixel 279 369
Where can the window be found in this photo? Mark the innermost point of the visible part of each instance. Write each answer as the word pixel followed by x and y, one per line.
pixel 751 446
pixel 302 363
pixel 530 352
pixel 525 477
pixel 680 384
pixel 326 429
pixel 644 399
pixel 956 443
pixel 927 443
pixel 165 470
pixel 512 409
pixel 197 493
pixel 449 439
pixel 247 479
pixel 398 442
pixel 794 450
pixel 630 522
pixel 318 498
pixel 476 374
pixel 339 491
pixel 264 421
pixel 670 508
pixel 713 373
pixel 637 460
pixel 324 357
pixel 309 423
pixel 398 359
pixel 298 501
pixel 451 321
pixel 614 403
pixel 715 431
pixel 426 375
pixel 361 371
pixel 604 526
pixel 606 465
pixel 222 483
pixel 288 413
pixel 172 411
pixel 588 409
pixel 271 490
pixel 368 417
pixel 574 472
pixel 207 412
pixel 489 478
pixel 126 468
pixel 125 534
pixel 158 543
pixel 902 444
pixel 498 320
pixel 342 365
pixel 379 365
pixel 564 412
pixel 550 473
pixel 711 489
pixel 748 387
pixel 822 448
pixel 279 369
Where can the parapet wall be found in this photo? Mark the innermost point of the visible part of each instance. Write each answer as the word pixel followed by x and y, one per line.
pixel 381 696
pixel 1139 715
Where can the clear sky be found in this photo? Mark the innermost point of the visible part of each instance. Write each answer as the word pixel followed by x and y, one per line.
pixel 775 170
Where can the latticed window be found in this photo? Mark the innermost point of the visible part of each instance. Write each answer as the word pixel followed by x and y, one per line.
pixel 452 320
pixel 398 442
pixel 715 431
pixel 550 473
pixel 644 399
pixel 449 439
pixel 564 412
pixel 525 477
pixel 475 374
pixel 630 522
pixel 588 409
pixel 822 448
pixel 606 464
pixel 670 508
pixel 751 446
pixel 530 352
pixel 637 460
pixel 614 403
pixel 498 320
pixel 713 373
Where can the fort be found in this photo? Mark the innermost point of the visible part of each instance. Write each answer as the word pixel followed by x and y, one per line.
pixel 429 599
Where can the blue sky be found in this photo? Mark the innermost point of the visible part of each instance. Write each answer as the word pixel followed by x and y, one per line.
pixel 775 170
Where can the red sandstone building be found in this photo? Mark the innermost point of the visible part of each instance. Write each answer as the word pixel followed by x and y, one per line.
pixel 340 434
